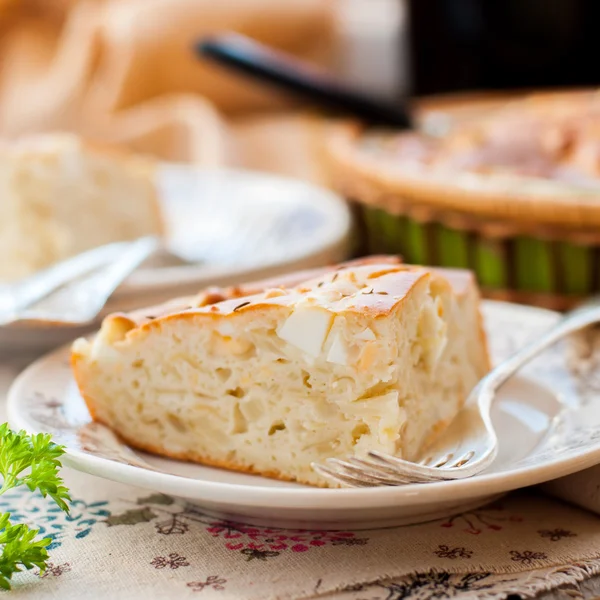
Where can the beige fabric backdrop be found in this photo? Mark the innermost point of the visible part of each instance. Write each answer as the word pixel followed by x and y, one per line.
pixel 123 71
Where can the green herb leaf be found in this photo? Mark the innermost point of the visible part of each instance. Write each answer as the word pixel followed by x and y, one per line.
pixel 33 461
pixel 19 549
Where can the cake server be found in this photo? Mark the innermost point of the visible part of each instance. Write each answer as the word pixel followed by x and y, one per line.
pixel 469 445
pixel 248 57
pixel 318 87
pixel 75 290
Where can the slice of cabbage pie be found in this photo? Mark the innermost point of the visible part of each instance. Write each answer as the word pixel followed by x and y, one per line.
pixel 371 355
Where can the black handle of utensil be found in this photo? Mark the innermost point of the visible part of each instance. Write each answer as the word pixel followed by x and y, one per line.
pixel 320 88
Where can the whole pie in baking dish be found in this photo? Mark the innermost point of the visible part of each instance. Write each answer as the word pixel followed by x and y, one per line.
pixel 509 189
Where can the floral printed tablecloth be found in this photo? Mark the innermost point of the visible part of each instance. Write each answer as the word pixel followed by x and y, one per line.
pixel 120 542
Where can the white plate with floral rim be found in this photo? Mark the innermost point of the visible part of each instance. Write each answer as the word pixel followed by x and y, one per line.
pixel 546 419
pixel 223 226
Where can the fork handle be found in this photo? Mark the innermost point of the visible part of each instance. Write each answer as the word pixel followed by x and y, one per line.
pixel 573 321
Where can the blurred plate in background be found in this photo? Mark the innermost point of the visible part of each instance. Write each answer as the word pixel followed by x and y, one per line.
pixel 224 226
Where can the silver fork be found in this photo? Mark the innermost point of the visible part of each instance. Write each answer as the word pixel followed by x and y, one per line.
pixel 469 445
pixel 78 288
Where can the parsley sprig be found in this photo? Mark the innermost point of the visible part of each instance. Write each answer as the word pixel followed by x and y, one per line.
pixel 33 461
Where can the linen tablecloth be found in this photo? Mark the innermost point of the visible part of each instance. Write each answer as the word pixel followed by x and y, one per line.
pixel 126 543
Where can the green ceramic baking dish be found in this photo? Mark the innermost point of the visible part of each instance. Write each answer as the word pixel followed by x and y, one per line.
pixel 528 239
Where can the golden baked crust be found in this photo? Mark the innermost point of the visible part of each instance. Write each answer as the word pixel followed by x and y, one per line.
pixel 214 294
pixel 382 296
pixel 219 303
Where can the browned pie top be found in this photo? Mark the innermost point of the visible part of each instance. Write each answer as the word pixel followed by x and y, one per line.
pixel 532 160
pixel 555 137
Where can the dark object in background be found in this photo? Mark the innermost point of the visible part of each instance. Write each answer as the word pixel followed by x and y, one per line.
pixel 252 59
pixel 465 45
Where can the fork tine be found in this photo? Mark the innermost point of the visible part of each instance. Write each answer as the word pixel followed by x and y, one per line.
pixel 440 461
pixel 378 468
pixel 347 480
pixel 413 470
pixel 425 473
pixel 365 474
pixel 463 460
